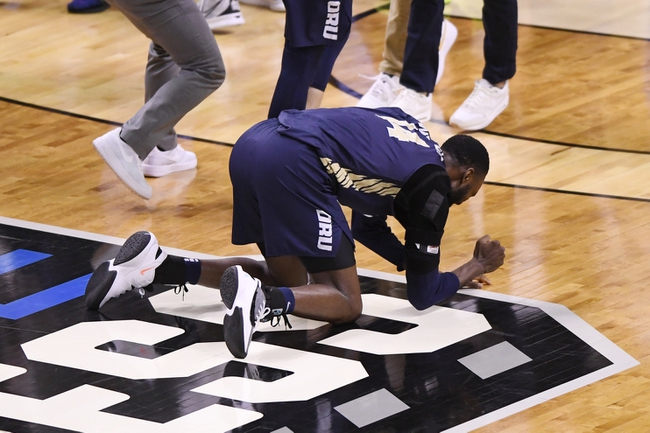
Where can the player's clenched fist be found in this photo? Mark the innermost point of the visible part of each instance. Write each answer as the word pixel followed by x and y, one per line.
pixel 489 253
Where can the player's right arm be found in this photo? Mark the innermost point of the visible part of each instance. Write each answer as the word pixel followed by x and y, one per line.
pixel 488 256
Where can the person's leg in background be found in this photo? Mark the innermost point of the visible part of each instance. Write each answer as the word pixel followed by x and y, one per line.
pixel 326 64
pixel 321 77
pixel 491 93
pixel 168 156
pixel 315 34
pixel 180 31
pixel 384 90
pixel 299 66
pixel 500 44
pixel 274 5
pixel 395 39
pixel 387 90
pixel 421 58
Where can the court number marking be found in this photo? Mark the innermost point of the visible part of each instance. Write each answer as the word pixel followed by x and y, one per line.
pixel 312 374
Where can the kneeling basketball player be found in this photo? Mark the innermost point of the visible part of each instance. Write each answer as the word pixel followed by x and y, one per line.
pixel 290 176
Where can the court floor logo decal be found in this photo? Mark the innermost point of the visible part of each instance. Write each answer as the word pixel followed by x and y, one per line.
pixel 158 363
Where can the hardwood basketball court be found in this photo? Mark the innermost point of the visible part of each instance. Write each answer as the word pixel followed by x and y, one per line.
pixel 567 195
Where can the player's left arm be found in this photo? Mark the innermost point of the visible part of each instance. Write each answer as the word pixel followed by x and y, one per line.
pixel 374 233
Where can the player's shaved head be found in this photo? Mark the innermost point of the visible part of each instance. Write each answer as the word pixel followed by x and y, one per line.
pixel 467 152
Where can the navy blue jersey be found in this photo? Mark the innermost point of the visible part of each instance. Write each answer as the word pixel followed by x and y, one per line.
pixel 370 153
pixel 291 174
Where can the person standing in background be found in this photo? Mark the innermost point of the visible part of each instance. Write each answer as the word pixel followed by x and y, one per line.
pixel 416 44
pixel 184 67
pixel 315 33
pixel 491 93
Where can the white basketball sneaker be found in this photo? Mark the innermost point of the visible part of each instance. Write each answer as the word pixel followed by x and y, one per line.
pixel 415 104
pixel 482 106
pixel 134 266
pixel 161 163
pixel 123 160
pixel 382 93
pixel 246 306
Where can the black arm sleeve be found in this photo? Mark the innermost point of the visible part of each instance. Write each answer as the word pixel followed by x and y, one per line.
pixel 375 234
pixel 422 208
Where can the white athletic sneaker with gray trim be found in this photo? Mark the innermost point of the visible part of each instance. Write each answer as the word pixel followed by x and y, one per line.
pixel 274 5
pixel 161 163
pixel 246 306
pixel 415 104
pixel 134 266
pixel 481 107
pixel 221 13
pixel 123 160
pixel 382 93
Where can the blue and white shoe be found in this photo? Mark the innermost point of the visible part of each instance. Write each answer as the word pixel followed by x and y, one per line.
pixel 246 306
pixel 133 267
pixel 87 6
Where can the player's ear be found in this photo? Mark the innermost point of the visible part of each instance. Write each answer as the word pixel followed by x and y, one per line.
pixel 468 175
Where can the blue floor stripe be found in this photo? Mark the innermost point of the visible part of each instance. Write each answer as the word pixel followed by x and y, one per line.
pixel 19 258
pixel 44 299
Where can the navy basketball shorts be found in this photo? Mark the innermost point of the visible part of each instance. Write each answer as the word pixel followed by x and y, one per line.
pixel 282 196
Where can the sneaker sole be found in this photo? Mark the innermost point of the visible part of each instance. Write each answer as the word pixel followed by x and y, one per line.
pixel 98 286
pixel 373 103
pixel 423 117
pixel 134 245
pixel 233 325
pixel 369 101
pixel 233 331
pixel 107 155
pixel 228 286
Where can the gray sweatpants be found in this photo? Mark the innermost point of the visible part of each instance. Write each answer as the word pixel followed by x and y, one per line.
pixel 184 67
